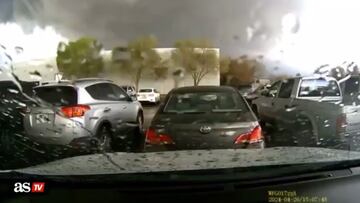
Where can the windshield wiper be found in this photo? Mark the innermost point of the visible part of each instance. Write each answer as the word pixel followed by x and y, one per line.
pixel 185 112
pixel 192 112
pixel 226 110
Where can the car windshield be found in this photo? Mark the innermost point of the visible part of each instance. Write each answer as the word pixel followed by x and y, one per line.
pixel 90 87
pixel 202 102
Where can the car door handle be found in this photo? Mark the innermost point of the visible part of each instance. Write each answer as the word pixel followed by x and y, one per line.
pixel 107 109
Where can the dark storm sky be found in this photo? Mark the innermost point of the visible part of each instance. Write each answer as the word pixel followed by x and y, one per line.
pixel 224 22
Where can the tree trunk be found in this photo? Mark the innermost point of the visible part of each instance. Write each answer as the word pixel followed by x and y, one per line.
pixel 137 78
pixel 195 81
pixel 176 83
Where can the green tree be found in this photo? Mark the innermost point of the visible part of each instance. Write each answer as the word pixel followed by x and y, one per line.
pixel 242 70
pixel 80 58
pixel 198 58
pixel 139 56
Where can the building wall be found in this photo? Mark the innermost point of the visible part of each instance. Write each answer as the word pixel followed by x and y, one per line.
pixel 164 85
pixel 26 70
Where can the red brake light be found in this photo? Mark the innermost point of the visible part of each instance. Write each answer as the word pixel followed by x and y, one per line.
pixel 153 138
pixel 251 137
pixel 74 111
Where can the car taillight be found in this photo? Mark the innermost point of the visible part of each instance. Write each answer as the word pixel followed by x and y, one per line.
pixel 255 135
pixel 341 123
pixel 153 138
pixel 74 111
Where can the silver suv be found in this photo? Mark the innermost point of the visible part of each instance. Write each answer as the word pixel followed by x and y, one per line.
pixel 85 113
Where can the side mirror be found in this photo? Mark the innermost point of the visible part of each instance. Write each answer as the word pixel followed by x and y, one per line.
pixel 271 94
pixel 268 93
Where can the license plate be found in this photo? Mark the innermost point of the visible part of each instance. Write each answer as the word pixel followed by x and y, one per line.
pixel 43 118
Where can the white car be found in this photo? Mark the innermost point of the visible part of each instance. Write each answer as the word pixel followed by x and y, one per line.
pixel 148 95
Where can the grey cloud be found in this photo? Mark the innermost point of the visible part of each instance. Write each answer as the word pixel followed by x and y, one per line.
pixel 224 22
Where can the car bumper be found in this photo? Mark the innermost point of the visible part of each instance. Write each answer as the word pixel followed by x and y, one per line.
pixel 156 148
pixel 153 100
pixel 58 134
pixel 256 145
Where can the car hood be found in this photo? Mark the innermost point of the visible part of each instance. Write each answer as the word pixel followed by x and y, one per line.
pixel 126 163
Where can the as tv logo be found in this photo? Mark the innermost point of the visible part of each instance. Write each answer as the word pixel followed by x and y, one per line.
pixel 28 187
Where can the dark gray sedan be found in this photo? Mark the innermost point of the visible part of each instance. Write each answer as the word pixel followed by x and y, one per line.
pixel 204 117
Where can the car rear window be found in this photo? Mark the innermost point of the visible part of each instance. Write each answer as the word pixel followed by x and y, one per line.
pixel 319 88
pixel 205 102
pixel 57 95
pixel 145 90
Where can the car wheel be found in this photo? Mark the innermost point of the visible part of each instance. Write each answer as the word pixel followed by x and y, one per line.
pixel 279 135
pixel 104 139
pixel 132 139
pixel 304 135
pixel 140 121
pixel 138 139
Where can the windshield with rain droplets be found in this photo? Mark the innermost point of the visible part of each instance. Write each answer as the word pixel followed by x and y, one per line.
pixel 162 85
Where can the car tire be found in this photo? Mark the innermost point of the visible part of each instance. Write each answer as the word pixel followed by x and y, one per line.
pixel 138 137
pixel 304 135
pixel 132 139
pixel 104 138
pixel 279 135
